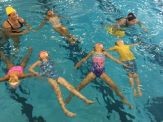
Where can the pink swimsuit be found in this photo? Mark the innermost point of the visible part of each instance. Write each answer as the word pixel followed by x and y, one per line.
pixel 19 69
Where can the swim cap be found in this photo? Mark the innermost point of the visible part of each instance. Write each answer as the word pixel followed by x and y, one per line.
pixel 10 10
pixel 43 54
pixel 131 16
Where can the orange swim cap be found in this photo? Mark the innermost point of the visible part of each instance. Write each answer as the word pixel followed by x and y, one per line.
pixel 43 54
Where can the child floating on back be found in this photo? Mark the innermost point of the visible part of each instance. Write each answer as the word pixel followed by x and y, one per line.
pixel 127 57
pixel 47 69
pixel 54 19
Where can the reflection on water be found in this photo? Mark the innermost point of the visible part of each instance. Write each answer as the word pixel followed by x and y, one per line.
pixel 155 107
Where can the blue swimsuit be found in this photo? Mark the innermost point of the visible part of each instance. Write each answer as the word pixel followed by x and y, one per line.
pixel 98 62
pixel 48 70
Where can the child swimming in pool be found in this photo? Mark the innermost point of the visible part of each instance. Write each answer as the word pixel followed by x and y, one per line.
pixel 54 19
pixel 47 69
pixel 118 29
pixel 127 57
pixel 15 72
pixel 98 70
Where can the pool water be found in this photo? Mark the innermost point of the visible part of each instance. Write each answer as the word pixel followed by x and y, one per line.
pixel 35 101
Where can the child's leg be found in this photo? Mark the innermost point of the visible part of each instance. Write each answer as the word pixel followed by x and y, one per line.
pixel 66 84
pixel 131 80
pixel 6 60
pixel 85 82
pixel 26 58
pixel 64 32
pixel 109 82
pixel 57 90
pixel 136 77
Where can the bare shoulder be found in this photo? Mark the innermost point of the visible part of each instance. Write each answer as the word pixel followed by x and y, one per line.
pixel 21 20
pixel 6 25
pixel 121 21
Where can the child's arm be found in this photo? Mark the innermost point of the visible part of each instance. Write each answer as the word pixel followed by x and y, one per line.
pixel 31 68
pixel 112 49
pixel 4 78
pixel 142 26
pixel 83 60
pixel 41 24
pixel 135 44
pixel 114 59
pixel 28 75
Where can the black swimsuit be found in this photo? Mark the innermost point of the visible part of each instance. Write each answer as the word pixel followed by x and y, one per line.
pixel 16 30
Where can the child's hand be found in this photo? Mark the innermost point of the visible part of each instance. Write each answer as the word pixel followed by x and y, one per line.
pixel 126 66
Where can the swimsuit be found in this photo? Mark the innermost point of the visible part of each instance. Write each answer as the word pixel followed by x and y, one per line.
pixel 98 61
pixel 131 66
pixel 18 69
pixel 15 29
pixel 48 69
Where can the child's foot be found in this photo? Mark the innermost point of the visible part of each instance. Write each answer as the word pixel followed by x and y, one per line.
pixel 139 93
pixel 135 93
pixel 139 90
pixel 72 40
pixel 69 114
pixel 89 102
pixel 125 101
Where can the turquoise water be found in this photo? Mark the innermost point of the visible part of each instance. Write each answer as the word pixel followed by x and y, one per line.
pixel 35 101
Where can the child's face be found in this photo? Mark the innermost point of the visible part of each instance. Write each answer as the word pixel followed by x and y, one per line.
pixel 99 47
pixel 13 78
pixel 50 13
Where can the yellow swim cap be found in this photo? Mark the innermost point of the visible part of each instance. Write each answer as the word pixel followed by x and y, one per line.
pixel 10 10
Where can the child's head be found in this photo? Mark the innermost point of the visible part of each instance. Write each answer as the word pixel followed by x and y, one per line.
pixel 14 80
pixel 119 42
pixel 131 18
pixel 43 55
pixel 99 47
pixel 50 12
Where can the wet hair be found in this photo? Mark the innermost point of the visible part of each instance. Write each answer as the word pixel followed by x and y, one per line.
pixel 131 16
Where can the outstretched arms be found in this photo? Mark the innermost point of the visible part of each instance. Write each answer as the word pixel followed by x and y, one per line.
pixel 114 59
pixel 31 68
pixel 83 60
pixel 4 78
pixel 41 24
